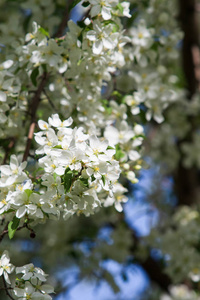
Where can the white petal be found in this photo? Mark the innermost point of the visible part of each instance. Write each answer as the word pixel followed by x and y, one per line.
pixel 46 288
pixel 60 171
pixel 7 64
pixel 5 170
pixel 134 155
pixel 6 277
pixel 13 162
pixel 3 118
pixel 118 207
pixel 158 118
pixel 91 35
pixel 2 97
pixel 21 212
pixel 108 43
pixel 97 47
pixel 95 10
pixel 106 14
pixel 68 122
pixel 43 125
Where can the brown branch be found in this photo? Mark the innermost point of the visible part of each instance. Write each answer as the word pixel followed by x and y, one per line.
pixel 36 98
pixel 25 225
pixel 155 273
pixel 197 7
pixel 8 149
pixel 196 60
pixel 187 186
pixel 34 106
pixel 190 27
pixel 50 101
pixel 65 19
pixel 4 232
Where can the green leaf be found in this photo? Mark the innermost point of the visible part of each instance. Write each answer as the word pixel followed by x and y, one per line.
pixel 34 76
pixel 44 31
pixel 55 176
pixel 84 181
pixel 12 227
pixel 119 153
pixel 103 179
pixel 67 179
pixel 28 192
pixel 120 7
pixel 86 4
pixel 110 148
pixel 117 94
pixel 8 211
pixel 92 177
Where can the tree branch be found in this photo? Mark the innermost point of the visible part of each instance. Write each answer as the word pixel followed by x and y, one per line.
pixel 8 149
pixel 189 24
pixel 4 232
pixel 51 102
pixel 34 106
pixel 65 19
pixel 36 98
pixel 187 185
pixel 155 273
pixel 25 225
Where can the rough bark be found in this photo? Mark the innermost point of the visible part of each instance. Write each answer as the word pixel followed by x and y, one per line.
pixel 187 183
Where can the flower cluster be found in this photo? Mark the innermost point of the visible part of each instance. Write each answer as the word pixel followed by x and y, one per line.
pixel 5 266
pixel 77 166
pixel 185 236
pixel 180 292
pixel 30 285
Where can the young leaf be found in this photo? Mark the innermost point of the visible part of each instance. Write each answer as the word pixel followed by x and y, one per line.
pixel 93 178
pixel 67 179
pixel 43 31
pixel 12 227
pixel 119 153
pixel 84 181
pixel 34 76
pixel 110 148
pixel 103 179
pixel 120 7
pixel 28 192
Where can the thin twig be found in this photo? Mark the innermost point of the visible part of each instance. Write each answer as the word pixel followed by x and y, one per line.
pixel 37 96
pixel 65 19
pixel 33 109
pixel 50 101
pixel 8 149
pixel 189 23
pixel 6 289
pixel 5 231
